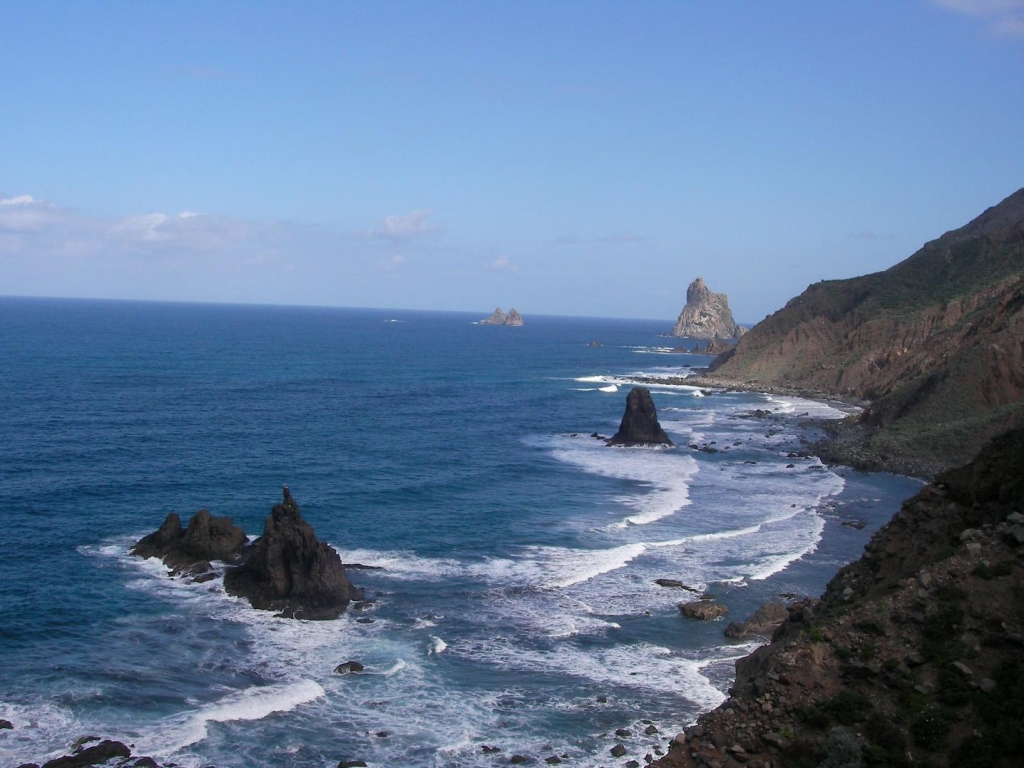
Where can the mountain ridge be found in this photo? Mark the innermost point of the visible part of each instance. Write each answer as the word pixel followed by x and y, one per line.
pixel 934 345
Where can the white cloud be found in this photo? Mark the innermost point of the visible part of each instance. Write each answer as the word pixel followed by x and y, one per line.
pixel 412 225
pixel 396 261
pixel 502 264
pixel 20 200
pixel 35 226
pixel 1003 17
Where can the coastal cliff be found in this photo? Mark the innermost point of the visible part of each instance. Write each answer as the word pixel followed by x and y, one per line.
pixel 934 345
pixel 706 315
pixel 913 656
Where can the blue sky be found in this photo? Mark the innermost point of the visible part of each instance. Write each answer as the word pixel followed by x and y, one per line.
pixel 574 158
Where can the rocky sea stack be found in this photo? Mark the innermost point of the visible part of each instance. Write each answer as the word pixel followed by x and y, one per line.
pixel 639 424
pixel 498 317
pixel 706 315
pixel 289 570
pixel 206 538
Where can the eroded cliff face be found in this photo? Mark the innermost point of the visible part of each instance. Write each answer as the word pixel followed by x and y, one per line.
pixel 706 315
pixel 913 657
pixel 936 344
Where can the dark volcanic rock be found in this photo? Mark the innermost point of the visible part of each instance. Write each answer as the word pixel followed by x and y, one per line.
pixel 206 538
pixel 101 753
pixel 639 424
pixel 765 620
pixel 703 610
pixel 289 570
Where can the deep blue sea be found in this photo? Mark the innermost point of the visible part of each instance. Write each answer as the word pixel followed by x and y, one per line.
pixel 515 604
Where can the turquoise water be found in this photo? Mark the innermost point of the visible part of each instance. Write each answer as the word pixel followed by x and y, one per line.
pixel 516 554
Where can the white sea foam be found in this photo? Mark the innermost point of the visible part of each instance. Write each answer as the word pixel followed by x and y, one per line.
pixel 437 645
pixel 395 668
pixel 664 475
pixel 609 388
pixel 256 703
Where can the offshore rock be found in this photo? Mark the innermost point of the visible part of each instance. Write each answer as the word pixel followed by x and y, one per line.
pixel 289 570
pixel 513 318
pixel 206 538
pixel 639 424
pixel 497 318
pixel 706 315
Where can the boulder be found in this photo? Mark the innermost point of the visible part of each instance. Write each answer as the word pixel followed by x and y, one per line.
pixel 703 610
pixel 764 621
pixel 206 538
pixel 101 753
pixel 639 424
pixel 348 666
pixel 289 570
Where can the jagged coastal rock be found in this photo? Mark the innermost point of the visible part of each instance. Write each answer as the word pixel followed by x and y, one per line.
pixel 913 655
pixel 497 318
pixel 933 344
pixel 706 315
pixel 289 570
pixel 206 538
pixel 639 425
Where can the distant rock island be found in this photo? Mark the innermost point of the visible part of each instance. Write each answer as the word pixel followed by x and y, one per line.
pixel 639 424
pixel 706 315
pixel 498 317
pixel 935 345
pixel 287 569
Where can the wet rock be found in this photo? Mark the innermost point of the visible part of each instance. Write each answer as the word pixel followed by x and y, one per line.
pixel 289 570
pixel 95 755
pixel 519 759
pixel 352 764
pixel 639 425
pixel 703 610
pixel 6 725
pixel 623 733
pixel 618 750
pixel 206 538
pixel 650 730
pixel 348 666
pixel 764 621
pixel 674 584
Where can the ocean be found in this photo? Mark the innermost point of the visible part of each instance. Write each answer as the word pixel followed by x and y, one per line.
pixel 514 597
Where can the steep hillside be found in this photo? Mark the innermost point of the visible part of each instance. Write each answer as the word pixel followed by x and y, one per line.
pixel 935 344
pixel 912 658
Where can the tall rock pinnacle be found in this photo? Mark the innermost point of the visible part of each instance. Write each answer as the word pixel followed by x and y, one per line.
pixel 706 315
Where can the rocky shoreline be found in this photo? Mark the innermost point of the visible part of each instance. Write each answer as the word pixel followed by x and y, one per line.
pixel 842 441
pixel 914 656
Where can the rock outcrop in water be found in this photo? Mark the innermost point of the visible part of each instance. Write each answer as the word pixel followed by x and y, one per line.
pixel 497 317
pixel 289 570
pixel 513 318
pixel 913 657
pixel 706 315
pixel 206 538
pixel 639 425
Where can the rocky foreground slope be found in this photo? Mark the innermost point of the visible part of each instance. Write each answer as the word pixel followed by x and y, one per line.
pixel 935 345
pixel 913 657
